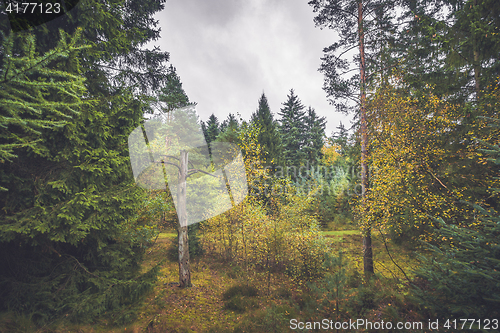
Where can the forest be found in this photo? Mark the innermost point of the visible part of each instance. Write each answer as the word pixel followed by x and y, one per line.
pixel 389 224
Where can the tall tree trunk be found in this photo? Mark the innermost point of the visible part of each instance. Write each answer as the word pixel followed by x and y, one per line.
pixel 184 269
pixel 476 64
pixel 367 238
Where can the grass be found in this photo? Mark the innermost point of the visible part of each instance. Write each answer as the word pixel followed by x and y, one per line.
pixel 219 300
pixel 205 308
pixel 330 233
pixel 164 235
pixel 327 233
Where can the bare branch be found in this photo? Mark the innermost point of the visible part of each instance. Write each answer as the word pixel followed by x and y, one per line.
pixel 193 171
pixel 175 165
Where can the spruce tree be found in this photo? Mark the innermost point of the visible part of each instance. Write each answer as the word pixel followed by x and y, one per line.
pixel 229 130
pixel 269 137
pixel 69 225
pixel 292 128
pixel 172 94
pixel 315 136
pixel 451 46
pixel 212 127
pixel 204 129
pixel 25 92
pixel 463 269
pixel 341 138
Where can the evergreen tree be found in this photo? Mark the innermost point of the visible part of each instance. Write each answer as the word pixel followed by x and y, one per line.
pixel 229 130
pixel 463 272
pixel 172 94
pixel 292 128
pixel 25 93
pixel 367 26
pixel 204 129
pixel 69 227
pixel 315 136
pixel 341 139
pixel 212 128
pixel 230 121
pixel 269 137
pixel 452 46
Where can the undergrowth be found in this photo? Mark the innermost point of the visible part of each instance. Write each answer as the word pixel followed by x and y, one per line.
pixel 229 298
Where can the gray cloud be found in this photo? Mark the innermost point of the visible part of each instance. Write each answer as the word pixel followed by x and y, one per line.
pixel 228 52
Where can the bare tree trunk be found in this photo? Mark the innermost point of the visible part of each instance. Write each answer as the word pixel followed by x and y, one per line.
pixel 184 269
pixel 367 238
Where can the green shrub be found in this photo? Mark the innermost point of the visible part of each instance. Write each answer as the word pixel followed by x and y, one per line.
pixel 284 292
pixel 239 303
pixel 237 298
pixel 273 319
pixel 235 272
pixel 240 290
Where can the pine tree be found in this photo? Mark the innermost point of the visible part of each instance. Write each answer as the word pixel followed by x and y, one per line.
pixel 292 130
pixel 315 136
pixel 269 137
pixel 366 26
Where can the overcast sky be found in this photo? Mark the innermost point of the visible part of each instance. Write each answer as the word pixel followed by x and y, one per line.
pixel 227 52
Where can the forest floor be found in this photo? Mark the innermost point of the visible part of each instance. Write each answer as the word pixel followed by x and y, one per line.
pixel 203 307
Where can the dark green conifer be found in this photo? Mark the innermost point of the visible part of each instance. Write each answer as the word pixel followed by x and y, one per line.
pixel 69 230
pixel 172 94
pixel 269 137
pixel 315 136
pixel 212 128
pixel 463 269
pixel 293 129
pixel 229 130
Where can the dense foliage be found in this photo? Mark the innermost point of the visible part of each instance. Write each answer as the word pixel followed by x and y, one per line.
pixel 70 233
pixel 287 239
pixel 418 169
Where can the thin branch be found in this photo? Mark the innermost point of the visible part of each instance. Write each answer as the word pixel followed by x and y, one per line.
pixel 177 159
pixel 383 69
pixel 193 171
pixel 392 259
pixel 337 58
pixel 81 266
pixel 175 165
pixel 437 179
